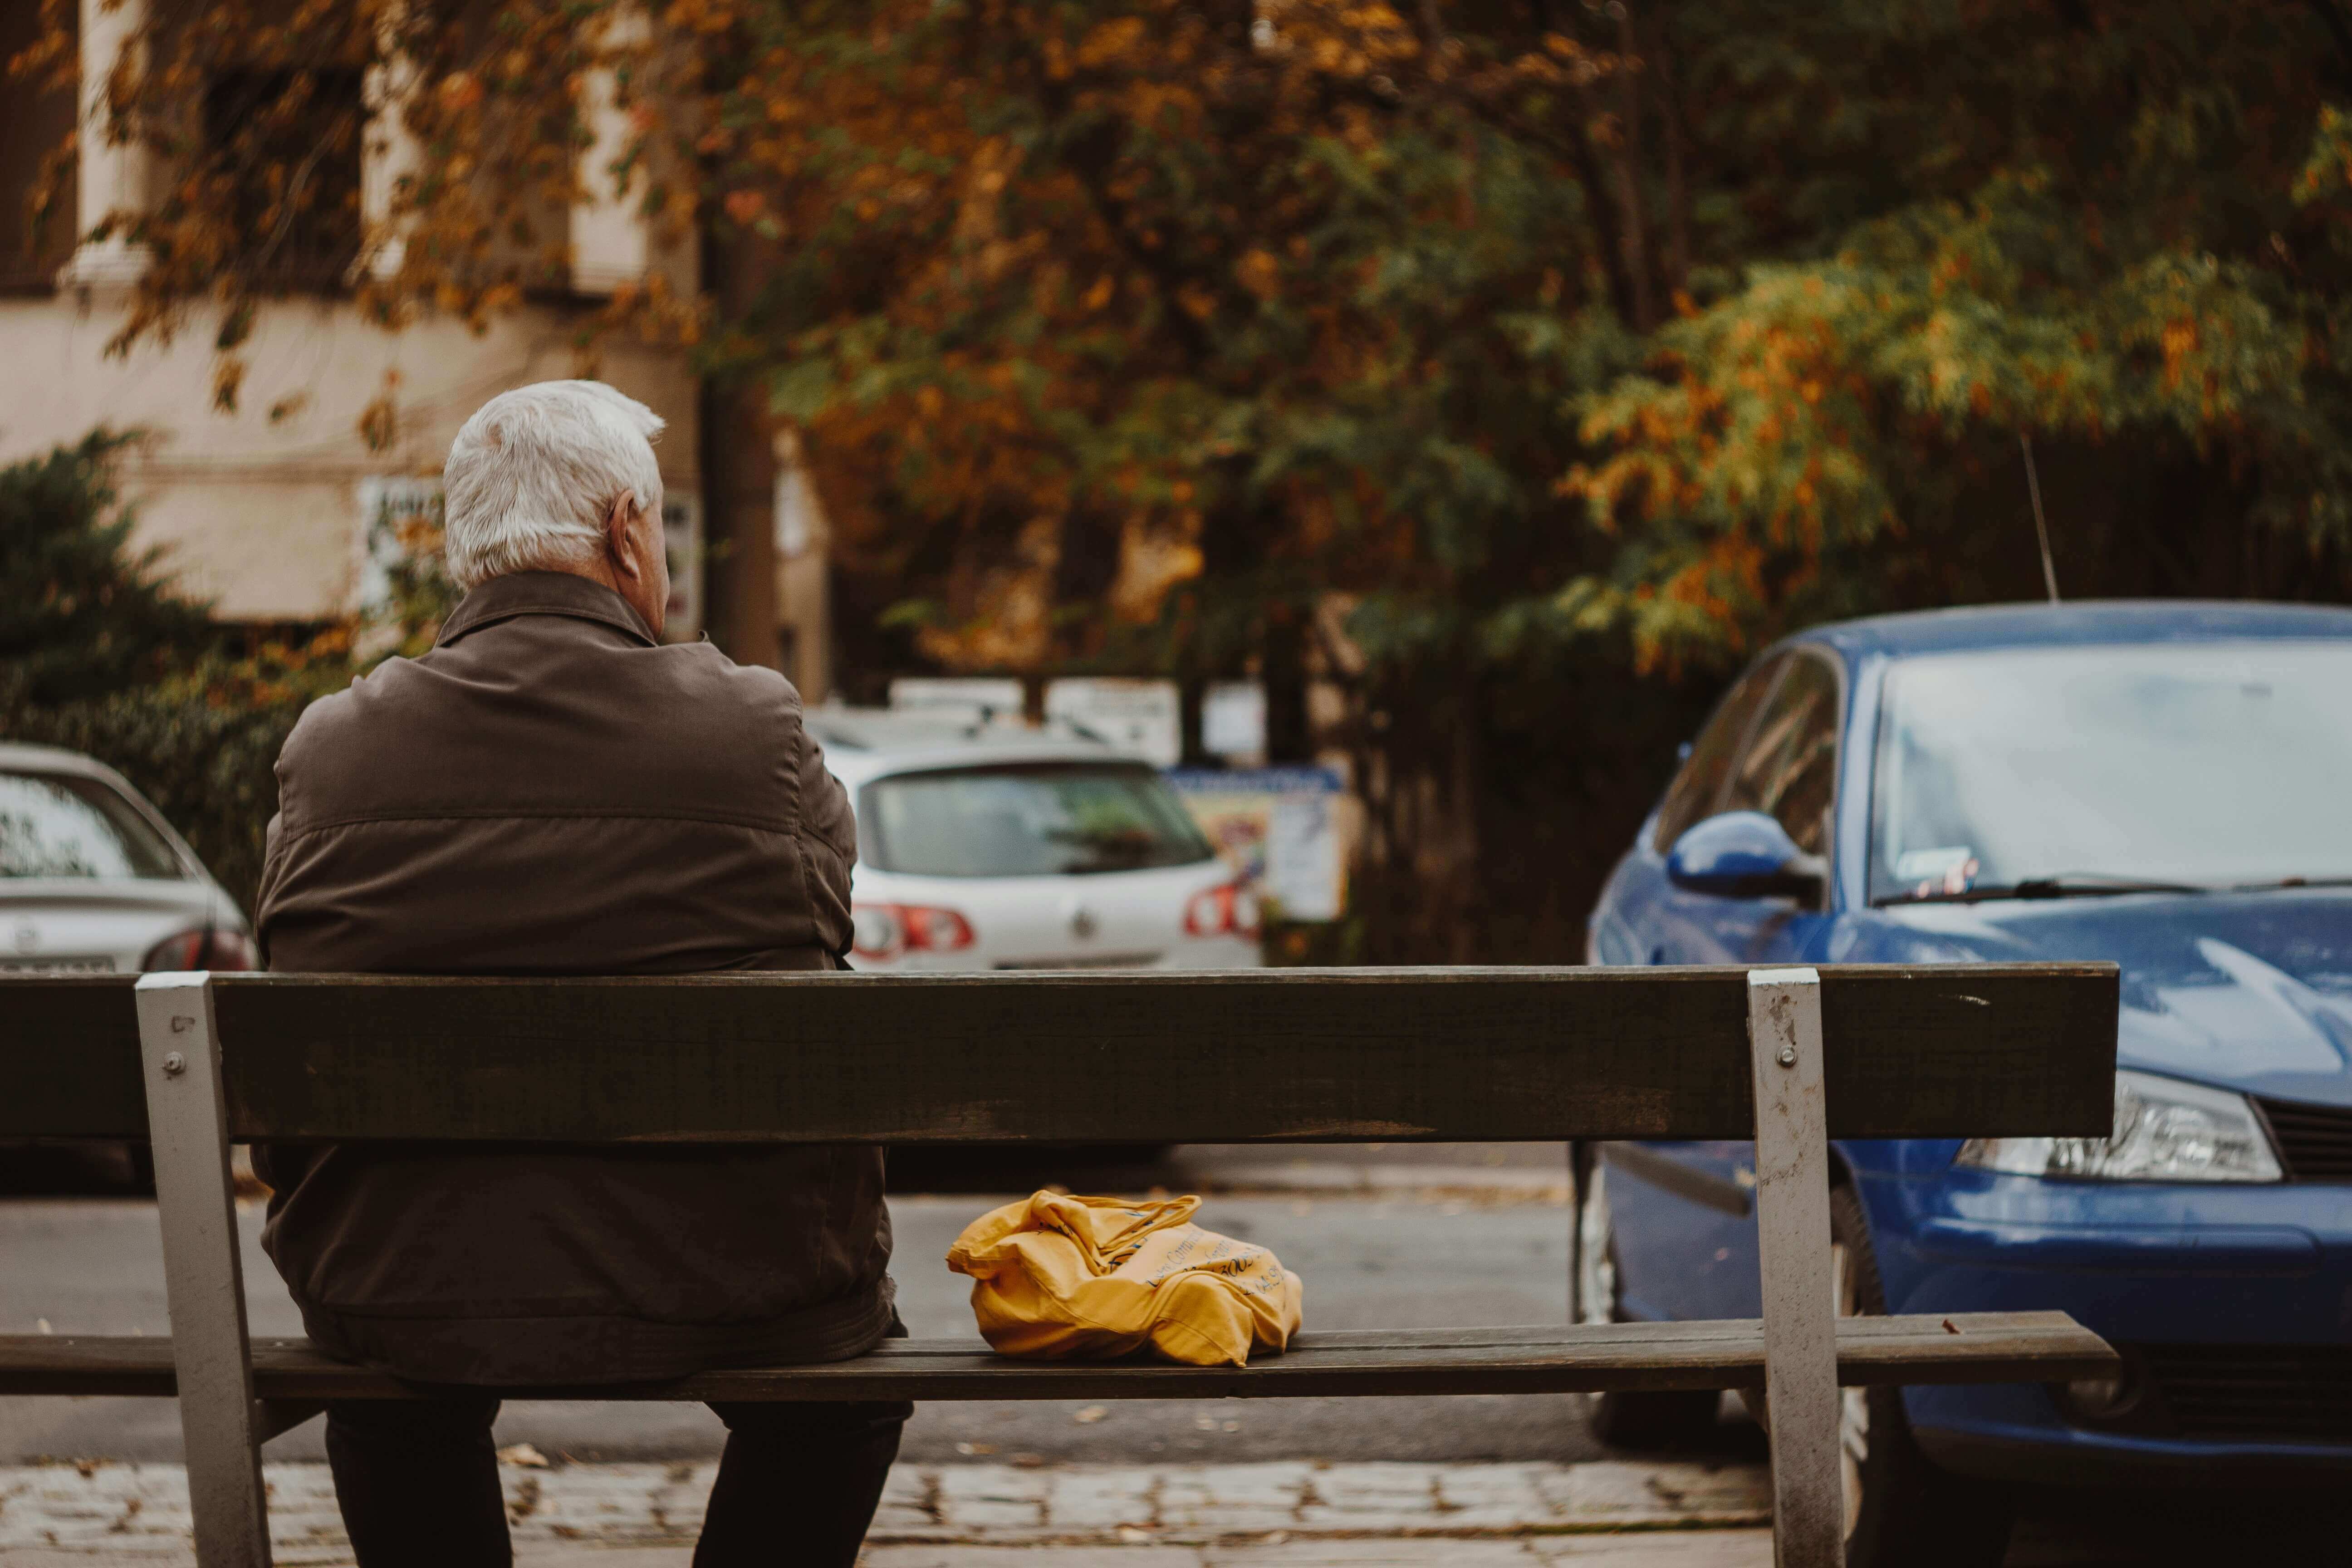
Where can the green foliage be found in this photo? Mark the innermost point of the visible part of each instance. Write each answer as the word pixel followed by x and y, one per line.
pixel 208 766
pixel 102 658
pixel 2119 230
pixel 98 655
pixel 79 617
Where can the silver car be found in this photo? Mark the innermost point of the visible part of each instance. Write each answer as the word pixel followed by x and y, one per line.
pixel 94 881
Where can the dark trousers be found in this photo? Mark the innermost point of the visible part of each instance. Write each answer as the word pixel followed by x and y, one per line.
pixel 418 1482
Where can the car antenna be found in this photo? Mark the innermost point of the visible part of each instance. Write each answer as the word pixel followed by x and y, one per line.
pixel 2041 524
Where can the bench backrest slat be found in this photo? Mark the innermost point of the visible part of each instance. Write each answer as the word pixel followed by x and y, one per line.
pixel 70 1058
pixel 1271 1056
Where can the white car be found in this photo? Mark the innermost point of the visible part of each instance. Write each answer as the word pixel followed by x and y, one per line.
pixel 985 845
pixel 94 881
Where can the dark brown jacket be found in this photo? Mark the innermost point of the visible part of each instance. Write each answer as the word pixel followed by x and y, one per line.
pixel 551 792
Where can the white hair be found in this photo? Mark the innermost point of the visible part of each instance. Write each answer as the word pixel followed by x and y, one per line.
pixel 534 473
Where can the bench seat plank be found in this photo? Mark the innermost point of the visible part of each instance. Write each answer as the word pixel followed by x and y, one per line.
pixel 1974 1347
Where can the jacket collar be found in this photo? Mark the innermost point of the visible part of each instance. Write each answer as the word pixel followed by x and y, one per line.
pixel 542 594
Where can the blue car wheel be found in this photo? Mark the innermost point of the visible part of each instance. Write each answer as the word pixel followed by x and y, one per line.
pixel 1625 1419
pixel 1901 1511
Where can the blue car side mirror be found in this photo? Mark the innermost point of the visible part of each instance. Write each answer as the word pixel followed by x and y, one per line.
pixel 1744 855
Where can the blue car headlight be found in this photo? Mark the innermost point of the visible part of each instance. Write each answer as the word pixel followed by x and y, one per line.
pixel 2166 1130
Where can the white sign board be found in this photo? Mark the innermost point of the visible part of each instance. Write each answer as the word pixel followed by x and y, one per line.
pixel 1137 716
pixel 974 695
pixel 795 511
pixel 1233 719
pixel 682 537
pixel 389 504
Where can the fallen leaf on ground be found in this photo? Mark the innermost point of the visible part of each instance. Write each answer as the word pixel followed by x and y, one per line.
pixel 1091 1414
pixel 523 1454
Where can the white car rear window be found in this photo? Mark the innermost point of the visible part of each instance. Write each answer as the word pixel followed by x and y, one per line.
pixel 1029 820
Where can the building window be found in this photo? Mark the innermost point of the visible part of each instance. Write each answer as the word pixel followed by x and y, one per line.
pixel 284 150
pixel 36 114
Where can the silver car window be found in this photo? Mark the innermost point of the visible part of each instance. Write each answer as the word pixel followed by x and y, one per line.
pixel 64 826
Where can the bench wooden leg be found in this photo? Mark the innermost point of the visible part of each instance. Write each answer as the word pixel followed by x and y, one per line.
pixel 1793 1221
pixel 187 1122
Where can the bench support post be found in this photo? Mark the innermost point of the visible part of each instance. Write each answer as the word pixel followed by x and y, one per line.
pixel 187 1122
pixel 1792 1222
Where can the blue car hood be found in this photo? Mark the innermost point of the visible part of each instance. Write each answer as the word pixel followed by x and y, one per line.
pixel 2250 991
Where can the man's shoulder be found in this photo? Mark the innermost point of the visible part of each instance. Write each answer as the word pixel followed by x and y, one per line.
pixel 345 736
pixel 705 673
pixel 339 715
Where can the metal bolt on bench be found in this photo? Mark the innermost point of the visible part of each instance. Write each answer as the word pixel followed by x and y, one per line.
pixel 1281 1056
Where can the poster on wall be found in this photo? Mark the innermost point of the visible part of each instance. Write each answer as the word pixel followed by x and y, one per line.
pixel 1281 828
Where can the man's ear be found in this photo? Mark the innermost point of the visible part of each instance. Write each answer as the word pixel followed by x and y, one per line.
pixel 618 544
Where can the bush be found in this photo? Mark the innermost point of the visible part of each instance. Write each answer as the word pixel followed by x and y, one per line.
pixel 79 616
pixel 208 766
pixel 98 655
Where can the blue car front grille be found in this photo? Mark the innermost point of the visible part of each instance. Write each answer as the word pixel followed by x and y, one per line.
pixel 2249 1393
pixel 2314 1141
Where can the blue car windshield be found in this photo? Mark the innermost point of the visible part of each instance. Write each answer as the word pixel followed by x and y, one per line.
pixel 2211 763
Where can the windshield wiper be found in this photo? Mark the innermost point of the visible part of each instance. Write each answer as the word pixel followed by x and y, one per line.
pixel 2290 882
pixel 2063 885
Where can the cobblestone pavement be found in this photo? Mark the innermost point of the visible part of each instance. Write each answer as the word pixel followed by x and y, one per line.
pixel 967 1516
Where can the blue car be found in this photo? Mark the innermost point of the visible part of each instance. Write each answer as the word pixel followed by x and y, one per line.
pixel 2165 785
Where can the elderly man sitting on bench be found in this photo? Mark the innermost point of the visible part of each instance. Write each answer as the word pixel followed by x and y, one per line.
pixel 552 791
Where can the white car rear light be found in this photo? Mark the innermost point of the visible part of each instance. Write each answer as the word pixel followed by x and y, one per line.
pixel 215 948
pixel 884 932
pixel 1229 908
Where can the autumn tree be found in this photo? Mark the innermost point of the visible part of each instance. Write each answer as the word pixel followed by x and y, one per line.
pixel 2115 232
pixel 1520 366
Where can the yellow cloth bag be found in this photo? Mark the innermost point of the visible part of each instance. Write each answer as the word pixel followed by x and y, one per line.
pixel 1062 1278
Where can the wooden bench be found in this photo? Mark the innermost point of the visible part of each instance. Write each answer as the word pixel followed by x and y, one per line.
pixel 193 1062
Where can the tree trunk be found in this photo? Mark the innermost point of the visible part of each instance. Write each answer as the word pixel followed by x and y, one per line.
pixel 1282 670
pixel 1636 234
pixel 738 481
pixel 738 477
pixel 1670 117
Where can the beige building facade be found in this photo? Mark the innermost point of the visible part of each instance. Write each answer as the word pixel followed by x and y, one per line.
pixel 269 517
pixel 270 512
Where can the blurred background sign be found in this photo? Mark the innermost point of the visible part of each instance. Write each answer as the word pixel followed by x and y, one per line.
pixel 979 696
pixel 1283 827
pixel 1233 721
pixel 1138 716
pixel 682 540
pixel 392 508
